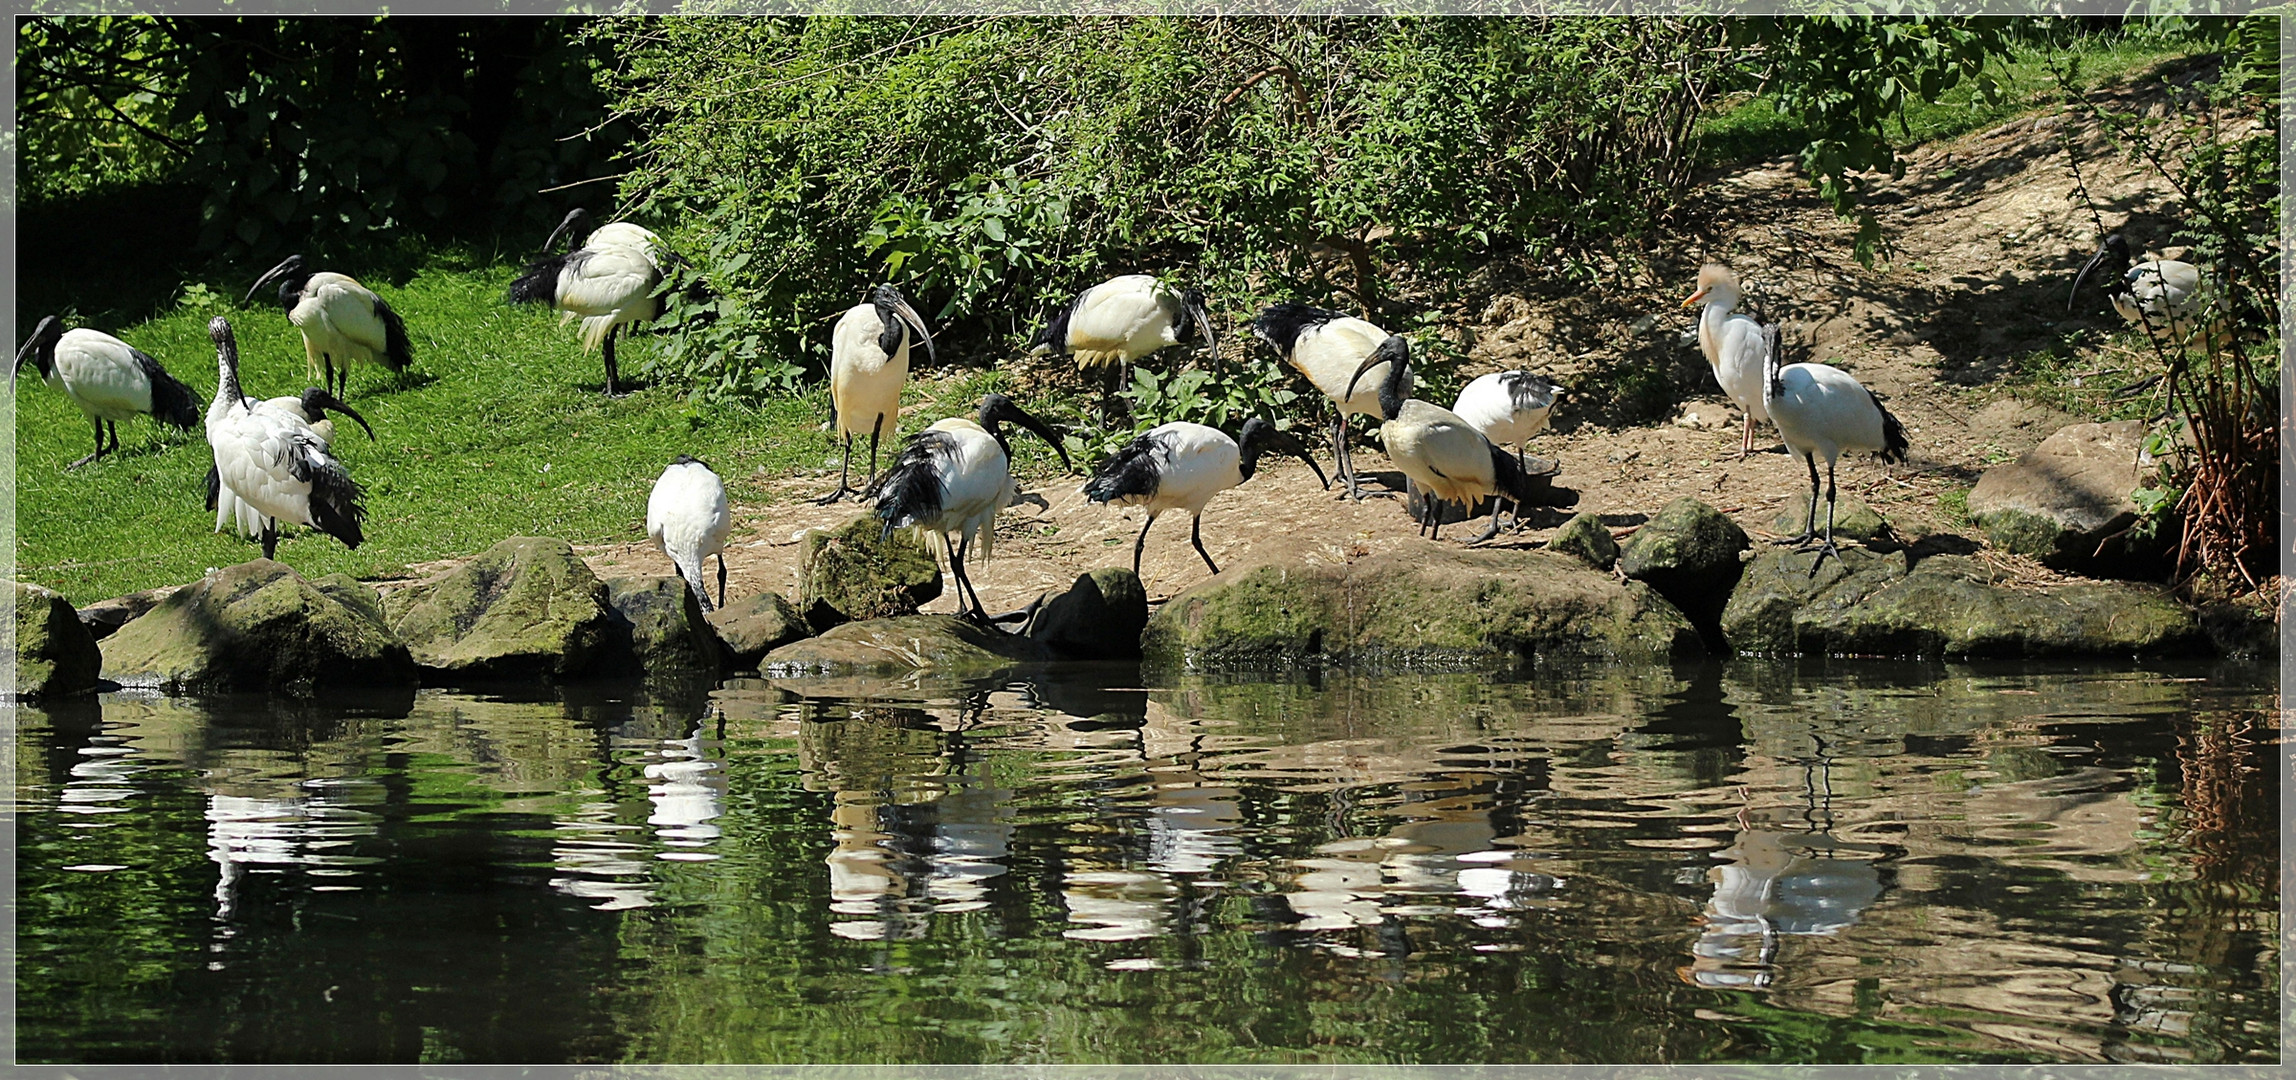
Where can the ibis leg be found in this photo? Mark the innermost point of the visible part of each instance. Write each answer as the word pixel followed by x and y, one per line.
pixel 1339 455
pixel 875 430
pixel 611 390
pixel 721 579
pixel 1746 447
pixel 1493 530
pixel 1142 542
pixel 98 451
pixel 1196 537
pixel 844 475
pixel 270 536
pixel 1810 528
pixel 1828 547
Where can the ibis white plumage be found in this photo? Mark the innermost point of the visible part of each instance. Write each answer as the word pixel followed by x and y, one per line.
pixel 950 481
pixel 1327 347
pixel 687 518
pixel 610 282
pixel 1822 410
pixel 868 366
pixel 1735 344
pixel 1507 408
pixel 1441 453
pixel 341 320
pixel 1120 320
pixel 2164 296
pixel 109 379
pixel 1180 466
pixel 271 460
pixel 311 406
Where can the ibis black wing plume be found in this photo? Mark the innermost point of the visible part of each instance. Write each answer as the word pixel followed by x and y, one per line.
pixel 172 402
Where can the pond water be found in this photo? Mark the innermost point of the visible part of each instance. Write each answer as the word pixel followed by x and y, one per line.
pixel 1756 862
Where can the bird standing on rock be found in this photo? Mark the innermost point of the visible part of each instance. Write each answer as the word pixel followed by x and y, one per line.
pixel 868 366
pixel 1437 450
pixel 687 518
pixel 1734 343
pixel 1820 409
pixel 1326 346
pixel 271 460
pixel 949 483
pixel 1181 466
pixel 341 321
pixel 109 379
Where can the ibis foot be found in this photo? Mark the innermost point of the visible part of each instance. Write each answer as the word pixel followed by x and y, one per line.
pixel 836 496
pixel 1798 543
pixel 83 461
pixel 1824 550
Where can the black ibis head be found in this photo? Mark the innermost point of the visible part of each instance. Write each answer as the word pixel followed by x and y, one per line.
pixel 40 350
pixel 318 402
pixel 1259 435
pixel 1194 300
pixel 290 275
pixel 890 304
pixel 1396 352
pixel 2113 259
pixel 573 228
pixel 998 409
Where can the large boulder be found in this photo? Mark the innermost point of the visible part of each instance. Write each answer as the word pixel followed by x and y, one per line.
pixel 1462 607
pixel 526 608
pixel 940 643
pixel 856 572
pixel 260 626
pixel 753 626
pixel 105 617
pixel 1689 553
pixel 2067 502
pixel 55 654
pixel 659 621
pixel 1585 538
pixel 1943 606
pixel 1098 618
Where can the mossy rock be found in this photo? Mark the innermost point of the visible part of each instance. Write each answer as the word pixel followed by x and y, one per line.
pixel 1587 539
pixel 1853 519
pixel 1098 618
pixel 1689 552
pixel 939 643
pixel 1945 606
pixel 526 608
pixel 856 572
pixel 105 617
pixel 753 626
pixel 56 656
pixel 260 626
pixel 659 622
pixel 1460 608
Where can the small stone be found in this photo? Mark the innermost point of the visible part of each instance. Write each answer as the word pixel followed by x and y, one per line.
pixel 753 626
pixel 55 654
pixel 856 572
pixel 104 617
pixel 1853 519
pixel 1585 537
pixel 660 622
pixel 1098 618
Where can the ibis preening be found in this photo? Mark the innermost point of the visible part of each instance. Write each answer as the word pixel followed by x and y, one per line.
pixel 1820 409
pixel 271 459
pixel 686 515
pixel 950 481
pixel 311 406
pixel 1734 344
pixel 109 379
pixel 2161 295
pixel 1180 466
pixel 868 365
pixel 1507 408
pixel 1120 320
pixel 341 321
pixel 1441 453
pixel 609 282
pixel 1327 346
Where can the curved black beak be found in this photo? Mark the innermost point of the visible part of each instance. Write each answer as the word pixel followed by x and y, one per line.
pixel 1194 298
pixel 570 226
pixel 997 408
pixel 1284 441
pixel 285 267
pixel 1397 350
pixel 318 402
pixel 2082 278
pixel 40 333
pixel 901 304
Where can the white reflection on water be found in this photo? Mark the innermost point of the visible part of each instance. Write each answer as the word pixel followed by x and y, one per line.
pixel 1775 885
pixel 312 826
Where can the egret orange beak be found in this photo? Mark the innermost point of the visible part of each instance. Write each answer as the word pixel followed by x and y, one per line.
pixel 1696 297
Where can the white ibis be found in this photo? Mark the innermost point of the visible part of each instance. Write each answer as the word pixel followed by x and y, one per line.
pixel 1734 343
pixel 1120 320
pixel 311 406
pixel 1507 408
pixel 1180 466
pixel 271 460
pixel 686 516
pixel 1821 409
pixel 868 365
pixel 2160 295
pixel 950 481
pixel 1437 450
pixel 341 321
pixel 1326 346
pixel 608 283
pixel 109 379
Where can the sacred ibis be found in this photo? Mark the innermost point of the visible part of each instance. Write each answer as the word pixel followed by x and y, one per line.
pixel 1734 344
pixel 1180 466
pixel 868 364
pixel 2160 295
pixel 311 406
pixel 341 321
pixel 1437 450
pixel 1120 320
pixel 1325 346
pixel 950 481
pixel 1821 409
pixel 271 460
pixel 1507 408
pixel 686 516
pixel 109 379
pixel 609 282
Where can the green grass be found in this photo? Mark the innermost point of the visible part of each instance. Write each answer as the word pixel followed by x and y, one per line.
pixel 501 431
